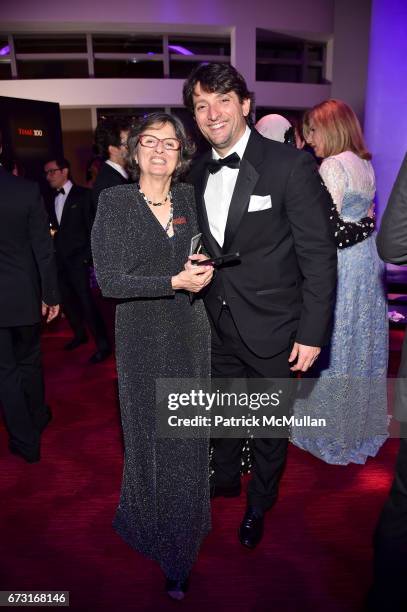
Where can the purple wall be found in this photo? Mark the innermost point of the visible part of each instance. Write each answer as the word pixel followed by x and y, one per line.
pixel 386 100
pixel 308 15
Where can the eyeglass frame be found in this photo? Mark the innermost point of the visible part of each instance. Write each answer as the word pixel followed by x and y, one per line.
pixel 159 140
pixel 52 171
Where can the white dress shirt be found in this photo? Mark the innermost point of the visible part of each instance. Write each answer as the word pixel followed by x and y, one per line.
pixel 61 199
pixel 119 168
pixel 219 190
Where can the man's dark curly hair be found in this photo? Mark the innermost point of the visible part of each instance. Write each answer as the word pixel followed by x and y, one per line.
pixel 219 78
pixel 107 134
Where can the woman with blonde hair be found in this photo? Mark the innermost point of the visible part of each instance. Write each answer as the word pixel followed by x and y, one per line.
pixel 350 392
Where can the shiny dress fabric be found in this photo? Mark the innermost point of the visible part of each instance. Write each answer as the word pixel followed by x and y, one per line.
pixel 351 389
pixel 164 509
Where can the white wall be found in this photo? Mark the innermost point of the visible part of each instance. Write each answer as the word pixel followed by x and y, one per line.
pixel 79 93
pixel 238 18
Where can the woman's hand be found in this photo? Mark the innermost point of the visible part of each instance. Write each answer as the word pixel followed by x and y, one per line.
pixel 193 278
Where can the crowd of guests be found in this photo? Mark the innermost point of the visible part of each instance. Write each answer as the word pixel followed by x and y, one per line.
pixel 304 296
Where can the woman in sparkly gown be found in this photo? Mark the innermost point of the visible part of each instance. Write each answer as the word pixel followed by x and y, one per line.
pixel 140 241
pixel 350 392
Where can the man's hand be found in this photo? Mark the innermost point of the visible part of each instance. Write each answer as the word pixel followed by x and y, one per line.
pixel 53 311
pixel 306 356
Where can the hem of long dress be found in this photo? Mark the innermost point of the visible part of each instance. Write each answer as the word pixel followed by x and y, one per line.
pixel 140 545
pixel 359 456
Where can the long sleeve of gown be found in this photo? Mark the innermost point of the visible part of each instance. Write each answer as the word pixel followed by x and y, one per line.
pixel 109 256
pixel 347 233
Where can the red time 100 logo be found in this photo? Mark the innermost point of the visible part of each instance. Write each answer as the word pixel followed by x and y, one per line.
pixel 29 132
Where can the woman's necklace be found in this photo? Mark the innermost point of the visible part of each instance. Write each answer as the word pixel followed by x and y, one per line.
pixel 143 195
pixel 167 197
pixel 167 227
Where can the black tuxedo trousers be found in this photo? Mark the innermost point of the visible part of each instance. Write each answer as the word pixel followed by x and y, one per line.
pixel 21 385
pixel 231 358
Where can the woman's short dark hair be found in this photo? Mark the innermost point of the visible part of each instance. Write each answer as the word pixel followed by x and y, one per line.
pixel 219 78
pixel 185 153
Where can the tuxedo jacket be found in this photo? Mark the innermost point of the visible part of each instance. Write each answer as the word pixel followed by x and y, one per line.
pixel 107 177
pixel 392 248
pixel 283 287
pixel 72 236
pixel 27 267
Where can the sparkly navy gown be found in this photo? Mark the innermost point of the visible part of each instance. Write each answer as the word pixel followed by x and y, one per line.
pixel 164 509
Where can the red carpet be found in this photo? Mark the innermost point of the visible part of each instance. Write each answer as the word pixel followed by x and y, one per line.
pixel 56 531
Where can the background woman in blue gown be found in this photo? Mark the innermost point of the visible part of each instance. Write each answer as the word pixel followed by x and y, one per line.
pixel 351 389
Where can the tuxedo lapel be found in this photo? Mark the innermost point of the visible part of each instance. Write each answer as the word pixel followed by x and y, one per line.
pixel 70 199
pixel 247 178
pixel 245 183
pixel 51 211
pixel 117 177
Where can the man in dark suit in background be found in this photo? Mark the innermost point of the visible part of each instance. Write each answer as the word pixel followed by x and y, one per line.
pixel 389 591
pixel 71 216
pixel 271 311
pixel 27 278
pixel 111 144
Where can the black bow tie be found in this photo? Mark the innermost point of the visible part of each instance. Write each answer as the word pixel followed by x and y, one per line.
pixel 59 191
pixel 231 161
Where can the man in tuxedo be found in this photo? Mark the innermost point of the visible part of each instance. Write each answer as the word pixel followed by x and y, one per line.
pixel 71 216
pixel 111 143
pixel 28 288
pixel 272 310
pixel 389 590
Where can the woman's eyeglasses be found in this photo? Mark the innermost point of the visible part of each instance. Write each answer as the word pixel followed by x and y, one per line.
pixel 151 142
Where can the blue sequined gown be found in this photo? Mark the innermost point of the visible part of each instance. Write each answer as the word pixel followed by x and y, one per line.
pixel 350 392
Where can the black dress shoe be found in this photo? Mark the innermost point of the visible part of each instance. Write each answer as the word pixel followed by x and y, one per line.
pixel 75 342
pixel 33 457
pixel 100 356
pixel 218 491
pixel 251 528
pixel 176 589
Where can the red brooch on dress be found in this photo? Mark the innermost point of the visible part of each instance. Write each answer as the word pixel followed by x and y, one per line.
pixel 179 221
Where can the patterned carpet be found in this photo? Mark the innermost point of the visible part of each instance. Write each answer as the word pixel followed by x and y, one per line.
pixel 55 516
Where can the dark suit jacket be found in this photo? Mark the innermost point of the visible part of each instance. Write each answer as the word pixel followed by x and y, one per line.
pixel 392 247
pixel 27 267
pixel 107 177
pixel 284 285
pixel 72 238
